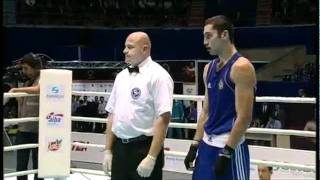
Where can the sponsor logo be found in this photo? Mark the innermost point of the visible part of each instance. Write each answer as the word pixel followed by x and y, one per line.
pixel 135 93
pixel 209 85
pixel 55 91
pixel 54 145
pixel 79 148
pixel 55 119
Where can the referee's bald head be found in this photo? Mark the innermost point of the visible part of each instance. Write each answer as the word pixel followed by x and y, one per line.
pixel 141 38
pixel 137 47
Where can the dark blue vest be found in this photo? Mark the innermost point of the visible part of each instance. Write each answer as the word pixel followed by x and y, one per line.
pixel 221 96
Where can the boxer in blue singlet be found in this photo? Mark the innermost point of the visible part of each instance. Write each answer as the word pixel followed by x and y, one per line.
pixel 219 145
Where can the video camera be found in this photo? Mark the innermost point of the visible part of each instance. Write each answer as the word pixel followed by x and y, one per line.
pixel 14 75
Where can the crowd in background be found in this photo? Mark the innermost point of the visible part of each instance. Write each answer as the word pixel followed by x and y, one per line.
pixel 266 115
pixel 183 112
pixel 103 12
pixel 269 115
pixel 306 73
pixel 294 11
pixel 82 106
pixel 118 13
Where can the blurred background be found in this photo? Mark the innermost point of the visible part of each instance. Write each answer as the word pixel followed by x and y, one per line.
pixel 87 36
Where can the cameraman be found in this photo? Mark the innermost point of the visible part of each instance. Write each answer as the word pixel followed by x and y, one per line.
pixel 31 64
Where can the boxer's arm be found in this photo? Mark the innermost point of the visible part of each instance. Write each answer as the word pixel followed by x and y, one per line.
pixel 204 112
pixel 243 75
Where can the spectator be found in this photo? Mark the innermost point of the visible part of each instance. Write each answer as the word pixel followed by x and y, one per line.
pixel 189 71
pixel 311 126
pixel 274 123
pixel 177 116
pixel 192 118
pixel 96 100
pixel 91 111
pixel 264 113
pixel 256 123
pixel 265 172
pixel 101 108
pixel 85 100
pixel 102 113
pixel 302 93
pixel 280 114
pixel 75 104
pixel 81 111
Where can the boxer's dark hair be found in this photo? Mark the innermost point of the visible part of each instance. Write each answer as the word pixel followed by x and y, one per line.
pixel 221 23
pixel 36 61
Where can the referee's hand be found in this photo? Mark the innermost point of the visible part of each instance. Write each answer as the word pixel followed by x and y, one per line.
pixel 223 162
pixel 107 162
pixel 146 166
pixel 191 156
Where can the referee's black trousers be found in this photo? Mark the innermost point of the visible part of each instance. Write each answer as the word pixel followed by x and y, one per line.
pixel 127 157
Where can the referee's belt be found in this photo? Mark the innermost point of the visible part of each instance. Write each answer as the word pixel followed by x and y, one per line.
pixel 135 139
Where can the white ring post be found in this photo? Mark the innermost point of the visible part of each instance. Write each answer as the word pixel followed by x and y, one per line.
pixel 55 123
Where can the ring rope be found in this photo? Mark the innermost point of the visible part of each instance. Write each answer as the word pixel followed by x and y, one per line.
pixel 256 162
pixel 18 147
pixel 90 119
pixel 183 125
pixel 12 95
pixel 21 173
pixel 19 120
pixel 310 100
pixel 284 165
pixel 282 132
pixel 178 125
pixel 294 166
pixel 87 171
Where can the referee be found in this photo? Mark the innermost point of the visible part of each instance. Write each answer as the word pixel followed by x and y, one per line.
pixel 139 110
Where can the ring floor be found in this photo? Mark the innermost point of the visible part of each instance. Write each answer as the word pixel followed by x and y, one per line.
pixel 9 164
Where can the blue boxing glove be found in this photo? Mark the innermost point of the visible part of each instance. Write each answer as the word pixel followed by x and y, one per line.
pixel 223 162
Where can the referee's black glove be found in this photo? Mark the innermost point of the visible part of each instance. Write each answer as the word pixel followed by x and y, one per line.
pixel 191 156
pixel 223 162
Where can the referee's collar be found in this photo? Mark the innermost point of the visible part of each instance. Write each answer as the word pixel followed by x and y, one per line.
pixel 144 64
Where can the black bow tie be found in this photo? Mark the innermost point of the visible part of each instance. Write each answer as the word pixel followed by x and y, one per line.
pixel 133 69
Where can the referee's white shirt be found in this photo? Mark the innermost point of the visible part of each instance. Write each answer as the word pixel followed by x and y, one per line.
pixel 138 99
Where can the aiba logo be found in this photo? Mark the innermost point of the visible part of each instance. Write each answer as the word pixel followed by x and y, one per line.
pixel 54 145
pixel 55 91
pixel 54 119
pixel 135 93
